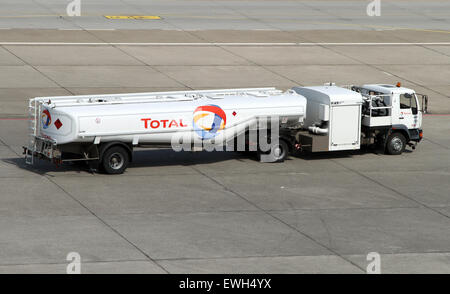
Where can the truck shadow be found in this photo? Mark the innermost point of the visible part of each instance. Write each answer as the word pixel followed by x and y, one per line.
pixel 334 154
pixel 168 157
pixel 341 154
pixel 42 167
pixel 141 158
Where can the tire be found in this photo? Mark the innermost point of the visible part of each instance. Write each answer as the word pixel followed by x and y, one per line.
pixel 115 160
pixel 279 152
pixel 284 151
pixel 395 144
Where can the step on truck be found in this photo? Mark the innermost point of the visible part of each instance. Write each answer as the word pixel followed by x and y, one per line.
pixel 103 130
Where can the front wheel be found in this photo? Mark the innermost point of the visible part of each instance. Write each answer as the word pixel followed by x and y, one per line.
pixel 115 160
pixel 396 144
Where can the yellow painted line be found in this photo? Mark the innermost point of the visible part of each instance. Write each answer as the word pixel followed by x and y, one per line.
pixel 146 17
pixel 132 17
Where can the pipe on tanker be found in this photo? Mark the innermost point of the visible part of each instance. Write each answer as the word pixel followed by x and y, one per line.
pixel 317 130
pixel 322 130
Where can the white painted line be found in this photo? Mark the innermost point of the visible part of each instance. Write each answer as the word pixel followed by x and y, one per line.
pixel 221 44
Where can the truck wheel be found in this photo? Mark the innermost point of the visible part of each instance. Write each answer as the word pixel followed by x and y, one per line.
pixel 115 160
pixel 395 144
pixel 281 151
pixel 278 152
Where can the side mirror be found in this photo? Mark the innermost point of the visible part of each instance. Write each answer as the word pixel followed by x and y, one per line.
pixel 425 103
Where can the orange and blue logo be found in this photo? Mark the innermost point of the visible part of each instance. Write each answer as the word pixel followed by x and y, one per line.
pixel 208 121
pixel 46 118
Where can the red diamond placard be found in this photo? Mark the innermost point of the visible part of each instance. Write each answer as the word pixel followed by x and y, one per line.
pixel 234 113
pixel 58 124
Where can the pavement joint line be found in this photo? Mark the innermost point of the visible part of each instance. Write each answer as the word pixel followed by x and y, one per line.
pixel 70 20
pixel 344 208
pixel 82 262
pixel 374 66
pixel 86 174
pixel 241 257
pixel 228 43
pixel 193 212
pixel 295 255
pixel 255 19
pixel 434 50
pixel 252 62
pixel 278 219
pixel 220 258
pixel 50 10
pixel 438 144
pixel 361 174
pixel 209 65
pixel 140 10
pixel 9 147
pixel 105 223
pixel 259 65
pixel 154 68
pixel 416 12
pixel 187 212
pixel 37 70
pixel 151 66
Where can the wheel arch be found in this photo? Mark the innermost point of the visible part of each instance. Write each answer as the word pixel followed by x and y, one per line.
pixel 105 146
pixel 400 129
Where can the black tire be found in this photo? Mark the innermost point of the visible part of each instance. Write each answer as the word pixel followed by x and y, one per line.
pixel 115 160
pixel 284 150
pixel 279 151
pixel 395 144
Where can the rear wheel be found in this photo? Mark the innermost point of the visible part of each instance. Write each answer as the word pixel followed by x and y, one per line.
pixel 115 160
pixel 395 144
pixel 278 152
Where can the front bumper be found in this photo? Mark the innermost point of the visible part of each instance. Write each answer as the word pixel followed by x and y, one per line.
pixel 415 135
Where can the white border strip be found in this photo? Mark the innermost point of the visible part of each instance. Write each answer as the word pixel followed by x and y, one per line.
pixel 221 44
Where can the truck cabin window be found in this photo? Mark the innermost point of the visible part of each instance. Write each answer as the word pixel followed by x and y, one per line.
pixel 408 101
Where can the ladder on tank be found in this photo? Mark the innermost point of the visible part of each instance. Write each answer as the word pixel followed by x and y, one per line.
pixel 33 111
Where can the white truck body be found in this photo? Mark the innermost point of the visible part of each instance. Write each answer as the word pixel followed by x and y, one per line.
pixel 155 117
pixel 105 128
pixel 339 109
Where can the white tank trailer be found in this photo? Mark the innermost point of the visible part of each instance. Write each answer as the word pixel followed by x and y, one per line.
pixel 104 129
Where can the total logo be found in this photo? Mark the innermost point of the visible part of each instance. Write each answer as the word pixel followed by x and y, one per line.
pixel 162 123
pixel 46 119
pixel 208 121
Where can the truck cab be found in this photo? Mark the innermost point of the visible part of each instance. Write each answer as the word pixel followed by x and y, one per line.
pixel 392 115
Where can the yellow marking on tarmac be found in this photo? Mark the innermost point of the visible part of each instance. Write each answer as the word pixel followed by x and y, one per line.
pixel 146 17
pixel 132 16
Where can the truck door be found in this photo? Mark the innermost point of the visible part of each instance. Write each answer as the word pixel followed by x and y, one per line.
pixel 409 111
pixel 345 127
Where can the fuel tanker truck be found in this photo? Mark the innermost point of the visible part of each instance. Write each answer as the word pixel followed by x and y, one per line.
pixel 103 130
